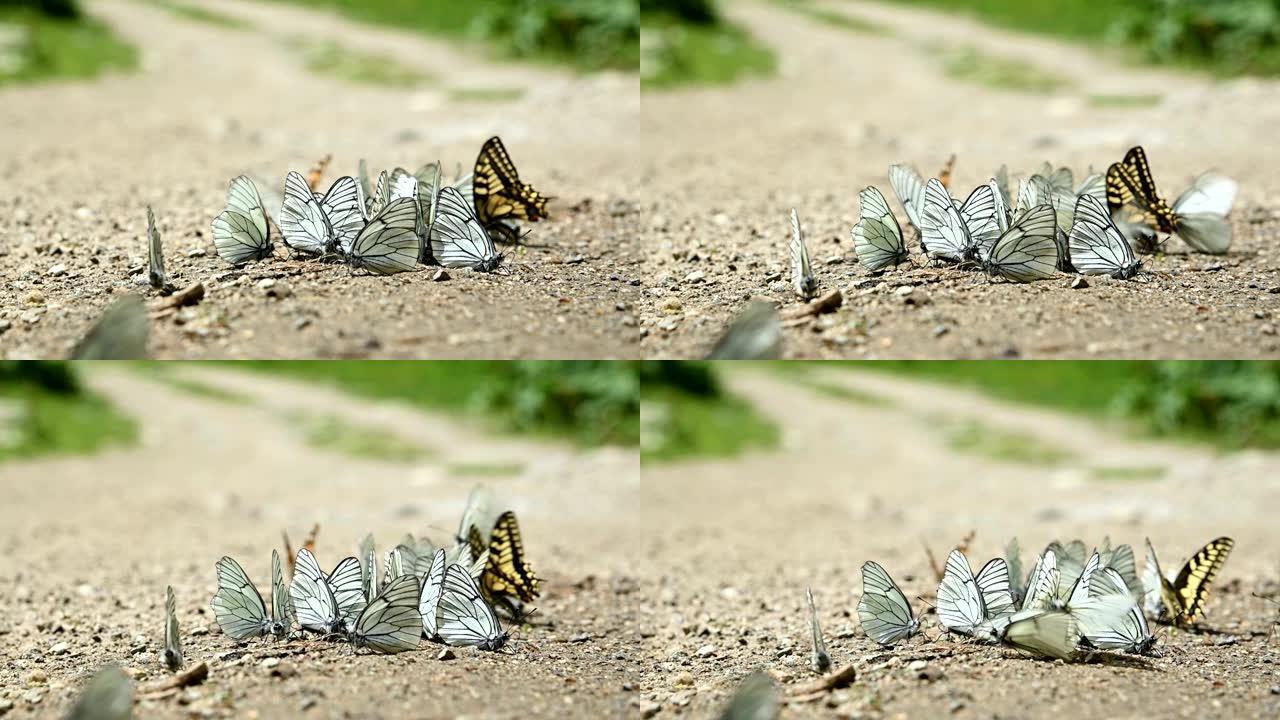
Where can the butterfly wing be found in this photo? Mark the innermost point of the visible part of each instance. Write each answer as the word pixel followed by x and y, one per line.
pixel 302 223
pixel 240 232
pixel 883 610
pixel 943 230
pixel 1029 250
pixel 801 273
pixel 390 623
pixel 1153 581
pixel 281 607
pixel 368 568
pixel 172 639
pixel 237 605
pixel 993 583
pixel 348 592
pixel 1191 587
pixel 465 617
pixel 909 187
pixel 1049 634
pixel 508 572
pixel 877 238
pixel 390 242
pixel 1096 245
pixel 1043 587
pixel 1126 631
pixel 820 660
pixel 477 513
pixel 980 212
pixel 498 192
pixel 313 599
pixel 429 602
pixel 341 207
pixel 457 238
pixel 401 185
pixel 428 204
pixel 155 256
pixel 1013 560
pixel 959 600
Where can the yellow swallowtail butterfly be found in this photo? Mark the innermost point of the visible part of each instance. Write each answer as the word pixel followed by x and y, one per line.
pixel 1131 185
pixel 1184 597
pixel 500 194
pixel 508 573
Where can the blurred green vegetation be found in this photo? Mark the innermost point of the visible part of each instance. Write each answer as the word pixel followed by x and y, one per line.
pixel 971 65
pixel 44 410
pixel 687 42
pixel 52 39
pixel 325 57
pixel 200 14
pixel 592 402
pixel 588 34
pixel 995 443
pixel 685 413
pixel 334 434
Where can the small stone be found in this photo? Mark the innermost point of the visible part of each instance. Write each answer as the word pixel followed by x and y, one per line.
pixel 1079 283
pixel 580 638
pixel 35 297
pixel 284 669
pixel 917 665
pixel 198 252
pixel 779 286
pixel 266 284
pixel 22 216
pixel 720 219
pixel 301 323
pixel 37 677
pixel 904 291
pixel 682 679
pixel 57 270
pixel 60 649
pixel 649 709
pixel 772 277
pixel 307 703
pixel 706 651
pixel 696 276
pixel 270 663
pixel 574 260
pixel 33 697
pixel 672 305
pixel 446 654
pixel 834 260
pixel 84 213
pixel 85 590
pixel 199 630
pixel 940 330
pixel 957 706
pixel 5 325
pixel 1225 640
pixel 1267 329
pixel 440 275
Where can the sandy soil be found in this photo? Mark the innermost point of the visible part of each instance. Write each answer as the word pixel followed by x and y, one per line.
pixel 211 478
pixel 81 160
pixel 726 164
pixel 723 582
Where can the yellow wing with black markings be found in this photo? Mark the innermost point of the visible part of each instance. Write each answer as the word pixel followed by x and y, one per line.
pixel 508 572
pixel 1184 597
pixel 1131 184
pixel 498 191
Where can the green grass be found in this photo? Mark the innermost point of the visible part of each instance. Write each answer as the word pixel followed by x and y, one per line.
pixel 35 48
pixel 485 94
pixel 47 423
pixel 677 425
pixel 841 392
pixel 1125 101
pixel 201 15
pixel 976 438
pixel 327 432
pixel 484 469
pixel 156 371
pixel 1074 19
pixel 355 66
pixel 1128 474
pixel 841 20
pixel 974 66
pixel 675 54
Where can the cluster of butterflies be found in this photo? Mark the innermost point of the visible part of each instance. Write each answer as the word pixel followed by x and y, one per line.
pixel 1094 229
pixel 1067 601
pixel 402 221
pixel 450 595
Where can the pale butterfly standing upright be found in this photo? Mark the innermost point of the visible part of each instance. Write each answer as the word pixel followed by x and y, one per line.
pixel 909 187
pixel 1200 213
pixel 883 610
pixel 457 239
pixel 1097 246
pixel 801 271
pixel 819 660
pixel 1130 631
pixel 282 615
pixel 877 237
pixel 390 622
pixel 156 274
pixel 237 604
pixel 241 232
pixel 390 243
pixel 432 588
pixel 465 617
pixel 172 653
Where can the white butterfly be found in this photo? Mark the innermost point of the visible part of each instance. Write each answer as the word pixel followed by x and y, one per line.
pixel 390 623
pixel 1097 245
pixel 457 238
pixel 1126 630
pixel 877 238
pixel 1152 600
pixel 390 242
pixel 1017 582
pixel 820 660
pixel 963 233
pixel 480 511
pixel 967 604
pixel 428 204
pixel 1200 213
pixel 323 603
pixel 155 257
pixel 368 568
pixel 1046 633
pixel 432 587
pixel 884 611
pixel 402 185
pixel 909 187
pixel 381 196
pixel 801 271
pixel 282 616
pixel 465 617
pixel 172 653
pixel 1028 250
pixel 1121 560
pixel 241 232
pixel 237 604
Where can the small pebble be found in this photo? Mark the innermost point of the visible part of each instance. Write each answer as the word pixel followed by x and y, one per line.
pixel 440 275
pixel 650 709
pixel 198 252
pixel 57 270
pixel 696 276
pixel 60 649
pixel 446 654
pixel 706 651
pixel 904 291
pixel 270 663
pixel 37 677
pixel 682 679
pixel 917 665
pixel 1079 283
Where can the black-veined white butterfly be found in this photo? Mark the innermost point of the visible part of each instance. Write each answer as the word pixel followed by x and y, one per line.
pixel 480 512
pixel 329 603
pixel 428 204
pixel 172 653
pixel 1097 245
pixel 282 618
pixel 1200 213
pixel 237 604
pixel 909 187
pixel 1017 581
pixel 1129 631
pixel 241 232
pixel 390 243
pixel 320 225
pixel 877 238
pixel 1028 250
pixel 1046 633
pixel 967 604
pixel 390 622
pixel 802 280
pixel 368 567
pixel 156 274
pixel 963 233
pixel 819 659
pixel 458 239
pixel 465 617
pixel 432 587
pixel 883 610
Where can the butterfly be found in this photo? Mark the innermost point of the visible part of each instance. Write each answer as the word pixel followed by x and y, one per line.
pixel 957 234
pixel 327 604
pixel 107 696
pixel 465 617
pixel 1001 179
pixel 172 654
pixel 755 334
pixel 158 278
pixel 1027 250
pixel 1071 559
pixel 241 232
pixel 1097 246
pixel 909 187
pixel 1013 560
pixel 323 225
pixel 368 568
pixel 432 587
pixel 967 604
pixel 755 699
pixel 1096 614
pixel 1183 598
pixel 401 185
pixel 1130 186
pixel 507 572
pixel 477 513
pixel 120 334
pixel 1121 560
pixel 819 661
pixel 801 271
pixel 1200 213
pixel 877 238
pixel 390 622
pixel 498 192
pixel 1035 191
pixel 1046 633
pixel 428 204
pixel 237 604
pixel 458 239
pixel 1128 632
pixel 393 565
pixel 281 605
pixel 883 610
pixel 390 243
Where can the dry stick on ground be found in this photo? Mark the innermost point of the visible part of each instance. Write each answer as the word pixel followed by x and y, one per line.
pixel 168 686
pixel 816 689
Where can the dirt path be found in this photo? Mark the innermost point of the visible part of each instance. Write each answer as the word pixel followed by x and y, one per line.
pixel 741 538
pixel 213 478
pixel 845 105
pixel 82 161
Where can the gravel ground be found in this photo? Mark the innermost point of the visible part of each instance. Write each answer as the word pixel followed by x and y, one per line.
pixel 112 530
pixel 845 105
pixel 82 160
